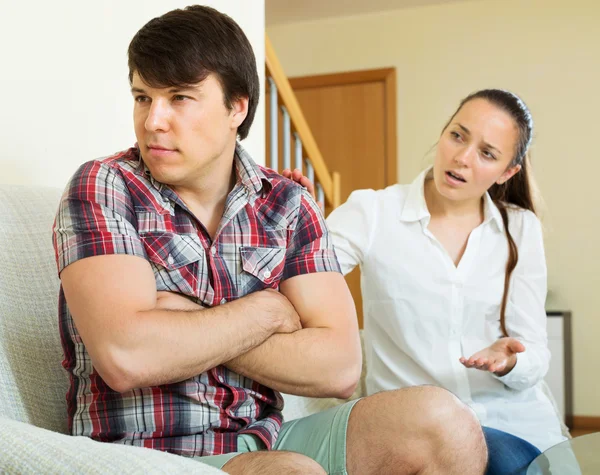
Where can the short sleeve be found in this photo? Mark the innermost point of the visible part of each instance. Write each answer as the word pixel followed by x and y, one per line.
pixel 310 248
pixel 95 217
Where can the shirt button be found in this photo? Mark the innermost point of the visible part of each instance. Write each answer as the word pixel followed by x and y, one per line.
pixel 267 274
pixel 213 250
pixel 170 259
pixel 223 301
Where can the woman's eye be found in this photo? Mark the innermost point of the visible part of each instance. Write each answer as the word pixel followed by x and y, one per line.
pixel 488 154
pixel 455 135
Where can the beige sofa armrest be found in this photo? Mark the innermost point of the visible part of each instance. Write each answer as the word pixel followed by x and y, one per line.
pixel 28 449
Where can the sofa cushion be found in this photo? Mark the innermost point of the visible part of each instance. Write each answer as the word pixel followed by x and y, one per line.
pixel 28 449
pixel 32 379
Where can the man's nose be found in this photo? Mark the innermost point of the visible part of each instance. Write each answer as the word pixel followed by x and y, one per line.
pixel 158 117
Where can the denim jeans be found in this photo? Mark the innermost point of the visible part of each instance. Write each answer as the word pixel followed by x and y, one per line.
pixel 508 454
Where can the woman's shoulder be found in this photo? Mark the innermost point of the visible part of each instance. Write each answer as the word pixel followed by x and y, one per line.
pixel 520 214
pixel 395 194
pixel 522 221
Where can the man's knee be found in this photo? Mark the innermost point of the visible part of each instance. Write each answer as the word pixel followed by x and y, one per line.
pixel 430 405
pixel 273 463
pixel 454 426
pixel 444 410
pixel 430 420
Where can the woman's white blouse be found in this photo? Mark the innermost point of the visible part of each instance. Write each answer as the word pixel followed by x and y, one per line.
pixel 422 313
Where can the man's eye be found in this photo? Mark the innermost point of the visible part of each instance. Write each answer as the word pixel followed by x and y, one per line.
pixel 179 98
pixel 142 98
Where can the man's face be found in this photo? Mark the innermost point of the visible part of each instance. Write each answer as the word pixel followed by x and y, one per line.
pixel 183 133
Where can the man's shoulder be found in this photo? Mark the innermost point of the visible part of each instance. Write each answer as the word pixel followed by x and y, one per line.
pixel 128 157
pixel 110 172
pixel 123 161
pixel 282 190
pixel 285 201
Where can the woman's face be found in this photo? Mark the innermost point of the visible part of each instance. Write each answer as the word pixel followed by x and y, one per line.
pixel 475 151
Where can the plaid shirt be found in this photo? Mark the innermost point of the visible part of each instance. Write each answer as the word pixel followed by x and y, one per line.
pixel 271 230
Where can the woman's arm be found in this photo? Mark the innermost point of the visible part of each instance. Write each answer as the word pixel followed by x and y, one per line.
pixel 352 226
pixel 525 310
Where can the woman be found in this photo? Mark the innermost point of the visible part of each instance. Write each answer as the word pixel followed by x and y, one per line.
pixel 454 277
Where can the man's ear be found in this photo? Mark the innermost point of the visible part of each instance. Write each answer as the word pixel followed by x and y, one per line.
pixel 239 111
pixel 508 174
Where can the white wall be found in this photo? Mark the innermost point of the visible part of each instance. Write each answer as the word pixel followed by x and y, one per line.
pixel 64 91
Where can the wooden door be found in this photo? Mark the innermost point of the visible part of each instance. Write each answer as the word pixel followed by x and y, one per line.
pixel 353 119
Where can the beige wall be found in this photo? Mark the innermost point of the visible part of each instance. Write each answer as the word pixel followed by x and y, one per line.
pixel 548 51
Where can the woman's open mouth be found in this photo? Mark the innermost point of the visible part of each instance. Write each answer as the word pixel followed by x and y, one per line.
pixel 455 177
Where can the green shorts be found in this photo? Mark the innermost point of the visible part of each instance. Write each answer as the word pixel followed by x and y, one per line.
pixel 321 437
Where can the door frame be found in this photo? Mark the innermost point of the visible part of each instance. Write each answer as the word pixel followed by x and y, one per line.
pixel 385 75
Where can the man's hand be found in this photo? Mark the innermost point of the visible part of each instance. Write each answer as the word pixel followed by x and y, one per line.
pixel 299 178
pixel 279 307
pixel 321 360
pixel 499 358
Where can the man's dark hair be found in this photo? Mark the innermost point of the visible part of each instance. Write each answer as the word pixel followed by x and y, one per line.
pixel 182 47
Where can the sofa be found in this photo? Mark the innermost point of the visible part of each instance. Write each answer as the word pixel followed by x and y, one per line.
pixel 33 384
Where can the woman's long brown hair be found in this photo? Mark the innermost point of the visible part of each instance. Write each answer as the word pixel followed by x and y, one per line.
pixel 516 192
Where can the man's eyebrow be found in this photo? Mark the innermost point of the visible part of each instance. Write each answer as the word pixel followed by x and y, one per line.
pixel 175 90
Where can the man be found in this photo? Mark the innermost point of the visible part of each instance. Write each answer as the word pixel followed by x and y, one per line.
pixel 197 285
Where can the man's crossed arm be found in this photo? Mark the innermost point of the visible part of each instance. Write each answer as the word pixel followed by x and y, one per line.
pixel 303 340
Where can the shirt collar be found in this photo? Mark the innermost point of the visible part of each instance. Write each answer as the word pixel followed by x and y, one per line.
pixel 415 206
pixel 491 212
pixel 249 174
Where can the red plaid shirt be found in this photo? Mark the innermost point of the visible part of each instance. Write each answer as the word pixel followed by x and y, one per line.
pixel 271 230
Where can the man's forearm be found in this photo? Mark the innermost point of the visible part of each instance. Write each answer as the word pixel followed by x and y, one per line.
pixel 316 362
pixel 164 346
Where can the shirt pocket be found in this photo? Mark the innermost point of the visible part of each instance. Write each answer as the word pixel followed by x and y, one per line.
pixel 176 260
pixel 262 268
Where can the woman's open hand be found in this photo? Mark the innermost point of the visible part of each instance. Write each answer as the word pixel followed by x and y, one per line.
pixel 499 358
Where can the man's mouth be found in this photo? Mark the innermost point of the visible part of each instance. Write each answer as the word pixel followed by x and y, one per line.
pixel 456 176
pixel 160 148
